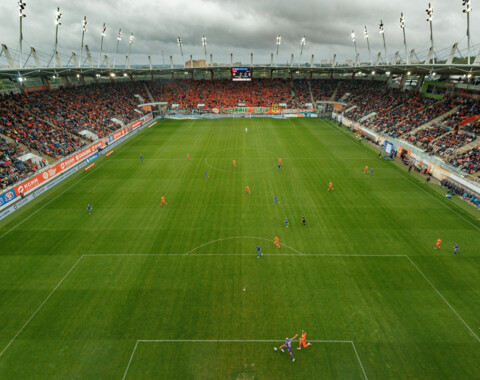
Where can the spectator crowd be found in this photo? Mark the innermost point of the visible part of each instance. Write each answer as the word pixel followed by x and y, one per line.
pixel 53 123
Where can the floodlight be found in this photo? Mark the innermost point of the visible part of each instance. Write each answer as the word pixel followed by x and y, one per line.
pixel 58 16
pixel 469 75
pixel 84 24
pixel 409 73
pixel 467 10
pixel 279 41
pixel 353 36
pixel 204 41
pixel 382 29
pixel 402 21
pixel 104 28
pixel 302 42
pixel 429 11
pixel 21 8
pixel 132 37
pixel 119 38
pixel 365 32
pixel 179 41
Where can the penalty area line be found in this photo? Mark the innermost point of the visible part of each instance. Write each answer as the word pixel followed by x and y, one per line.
pixel 276 341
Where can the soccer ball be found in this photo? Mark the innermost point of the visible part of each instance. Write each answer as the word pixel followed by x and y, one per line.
pixel 275 348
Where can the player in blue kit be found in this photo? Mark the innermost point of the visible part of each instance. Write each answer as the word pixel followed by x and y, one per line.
pixel 288 345
pixel 275 200
pixel 286 222
pixel 141 157
pixel 89 208
pixel 456 249
pixel 259 252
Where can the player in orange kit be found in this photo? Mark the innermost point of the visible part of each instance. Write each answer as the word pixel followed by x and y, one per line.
pixel 366 170
pixel 437 245
pixel 248 190
pixel 163 201
pixel 276 242
pixel 330 186
pixel 280 161
pixel 234 164
pixel 188 156
pixel 303 341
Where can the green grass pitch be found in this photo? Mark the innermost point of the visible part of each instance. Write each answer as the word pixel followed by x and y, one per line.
pixel 138 290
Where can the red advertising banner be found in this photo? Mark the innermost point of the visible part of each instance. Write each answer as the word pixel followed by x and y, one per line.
pixel 56 169
pixel 120 133
pixel 137 124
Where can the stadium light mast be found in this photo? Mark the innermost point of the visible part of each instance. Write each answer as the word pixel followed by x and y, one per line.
pixel 130 43
pixel 58 16
pixel 119 38
pixel 21 8
pixel 402 26
pixel 429 11
pixel 382 32
pixel 354 44
pixel 302 44
pixel 365 35
pixel 104 28
pixel 179 42
pixel 467 10
pixel 204 43
pixel 84 29
pixel 279 41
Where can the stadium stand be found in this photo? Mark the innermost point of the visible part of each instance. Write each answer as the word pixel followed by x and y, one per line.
pixel 468 161
pixel 223 93
pixel 11 168
pixel 51 122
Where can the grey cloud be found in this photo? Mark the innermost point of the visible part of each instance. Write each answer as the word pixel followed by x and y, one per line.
pixel 238 27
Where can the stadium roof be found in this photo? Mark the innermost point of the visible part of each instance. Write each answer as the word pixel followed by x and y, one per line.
pixel 412 69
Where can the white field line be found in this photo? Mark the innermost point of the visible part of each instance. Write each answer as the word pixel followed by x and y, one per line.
pixel 63 192
pixel 359 361
pixel 184 255
pixel 443 298
pixel 41 305
pixel 291 122
pixel 234 254
pixel 241 237
pixel 421 188
pixel 236 341
pixel 130 361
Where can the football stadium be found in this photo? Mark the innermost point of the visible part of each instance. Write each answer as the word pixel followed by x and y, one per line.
pixel 298 198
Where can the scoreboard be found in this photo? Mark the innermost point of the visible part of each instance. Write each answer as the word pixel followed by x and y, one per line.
pixel 242 74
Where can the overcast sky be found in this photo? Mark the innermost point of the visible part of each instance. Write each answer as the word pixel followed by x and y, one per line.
pixel 238 27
